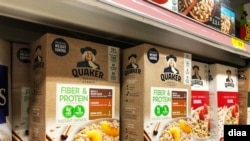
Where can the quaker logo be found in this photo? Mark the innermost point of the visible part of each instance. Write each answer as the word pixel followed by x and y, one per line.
pixel 88 67
pixel 171 72
pixel 38 60
pixel 4 109
pixel 229 81
pixel 132 66
pixel 196 78
pixel 241 75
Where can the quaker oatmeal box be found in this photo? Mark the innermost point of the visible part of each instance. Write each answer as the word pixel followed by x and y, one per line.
pixel 224 100
pixel 5 86
pixel 75 90
pixel 200 112
pixel 20 90
pixel 156 84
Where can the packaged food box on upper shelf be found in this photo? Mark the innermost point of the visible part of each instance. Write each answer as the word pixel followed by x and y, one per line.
pixel 223 99
pixel 244 95
pixel 171 5
pixel 76 86
pixel 245 22
pixel 200 113
pixel 20 90
pixel 5 90
pixel 227 20
pixel 156 83
pixel 203 11
pixel 227 3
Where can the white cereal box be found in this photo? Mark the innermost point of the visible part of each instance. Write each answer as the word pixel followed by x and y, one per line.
pixel 223 99
pixel 200 104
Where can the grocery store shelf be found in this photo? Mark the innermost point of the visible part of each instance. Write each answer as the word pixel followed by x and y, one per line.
pixel 125 23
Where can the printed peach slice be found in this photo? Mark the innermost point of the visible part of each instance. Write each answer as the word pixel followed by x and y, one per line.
pixel 184 126
pixel 175 131
pixel 109 129
pixel 94 135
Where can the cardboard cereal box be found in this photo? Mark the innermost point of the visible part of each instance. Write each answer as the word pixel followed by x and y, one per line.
pixel 245 22
pixel 244 95
pixel 203 11
pixel 227 20
pixel 223 99
pixel 155 93
pixel 5 90
pixel 20 90
pixel 200 112
pixel 76 90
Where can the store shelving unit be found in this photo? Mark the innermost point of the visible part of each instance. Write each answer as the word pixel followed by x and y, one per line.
pixel 128 22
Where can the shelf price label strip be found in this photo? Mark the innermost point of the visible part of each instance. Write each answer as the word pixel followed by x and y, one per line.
pixel 237 43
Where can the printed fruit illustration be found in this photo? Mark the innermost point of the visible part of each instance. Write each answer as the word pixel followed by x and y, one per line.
pixel 236 106
pixel 208 126
pixel 160 1
pixel 175 131
pixel 184 126
pixel 205 107
pixel 202 114
pixel 94 135
pixel 234 112
pixel 109 129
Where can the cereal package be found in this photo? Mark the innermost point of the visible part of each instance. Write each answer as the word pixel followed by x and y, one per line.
pixel 200 105
pixel 156 83
pixel 75 90
pixel 5 91
pixel 224 100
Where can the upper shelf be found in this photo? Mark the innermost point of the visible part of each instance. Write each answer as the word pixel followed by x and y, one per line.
pixel 129 19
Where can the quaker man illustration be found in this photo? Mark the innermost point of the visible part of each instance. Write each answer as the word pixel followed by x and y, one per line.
pixel 229 79
pixel 241 75
pixel 88 58
pixel 132 62
pixel 196 72
pixel 171 61
pixel 38 54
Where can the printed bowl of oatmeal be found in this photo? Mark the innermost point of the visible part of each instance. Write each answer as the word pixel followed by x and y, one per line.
pixel 4 137
pixel 96 130
pixel 202 10
pixel 232 115
pixel 177 129
pixel 200 123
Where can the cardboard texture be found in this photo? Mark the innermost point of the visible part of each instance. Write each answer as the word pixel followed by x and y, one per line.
pixel 156 84
pixel 76 84
pixel 224 100
pixel 5 91
pixel 20 89
pixel 244 95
